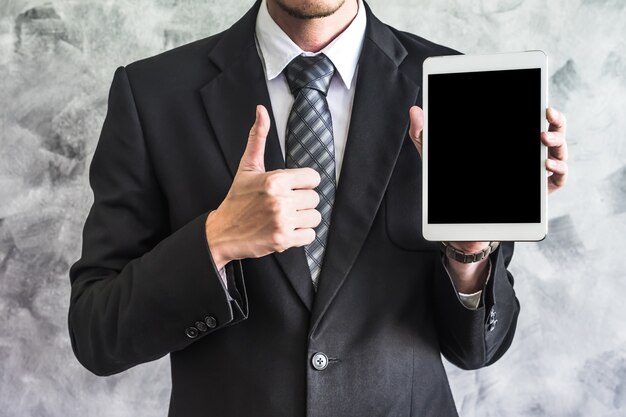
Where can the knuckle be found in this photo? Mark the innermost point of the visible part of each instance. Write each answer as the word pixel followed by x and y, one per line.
pixel 272 183
pixel 279 225
pixel 275 206
pixel 268 183
pixel 277 241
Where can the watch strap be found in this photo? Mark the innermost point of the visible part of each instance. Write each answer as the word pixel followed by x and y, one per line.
pixel 467 258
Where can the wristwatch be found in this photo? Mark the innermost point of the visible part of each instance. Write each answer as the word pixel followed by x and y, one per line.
pixel 467 258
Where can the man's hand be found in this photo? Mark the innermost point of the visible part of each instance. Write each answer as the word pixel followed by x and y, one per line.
pixel 554 139
pixel 470 278
pixel 263 212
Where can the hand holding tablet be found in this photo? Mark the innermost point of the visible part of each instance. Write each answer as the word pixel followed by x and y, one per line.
pixel 484 169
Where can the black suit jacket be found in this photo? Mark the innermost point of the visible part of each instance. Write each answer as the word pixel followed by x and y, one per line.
pixel 176 127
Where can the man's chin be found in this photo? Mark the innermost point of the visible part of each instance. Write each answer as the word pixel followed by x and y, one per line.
pixel 310 9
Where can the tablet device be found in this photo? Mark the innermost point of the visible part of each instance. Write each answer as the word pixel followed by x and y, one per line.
pixel 484 175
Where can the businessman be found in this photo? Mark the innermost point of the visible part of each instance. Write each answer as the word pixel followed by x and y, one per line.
pixel 257 217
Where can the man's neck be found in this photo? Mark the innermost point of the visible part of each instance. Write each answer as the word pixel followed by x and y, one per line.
pixel 313 35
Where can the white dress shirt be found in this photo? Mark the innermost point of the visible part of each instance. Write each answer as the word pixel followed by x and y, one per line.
pixel 277 50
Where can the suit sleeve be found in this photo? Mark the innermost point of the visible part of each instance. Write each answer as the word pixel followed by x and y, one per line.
pixel 469 338
pixel 140 290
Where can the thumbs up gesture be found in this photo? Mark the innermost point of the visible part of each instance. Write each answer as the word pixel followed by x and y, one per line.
pixel 263 212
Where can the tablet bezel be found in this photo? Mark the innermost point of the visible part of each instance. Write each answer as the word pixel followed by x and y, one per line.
pixel 486 231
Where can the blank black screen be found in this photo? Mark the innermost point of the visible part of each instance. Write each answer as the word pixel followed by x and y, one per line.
pixel 484 147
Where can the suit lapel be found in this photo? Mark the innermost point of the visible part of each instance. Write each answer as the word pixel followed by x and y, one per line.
pixel 383 97
pixel 230 100
pixel 378 127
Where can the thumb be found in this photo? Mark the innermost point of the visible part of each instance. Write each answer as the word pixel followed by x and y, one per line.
pixel 416 118
pixel 253 158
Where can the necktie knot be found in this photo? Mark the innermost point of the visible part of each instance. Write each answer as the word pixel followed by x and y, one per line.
pixel 309 72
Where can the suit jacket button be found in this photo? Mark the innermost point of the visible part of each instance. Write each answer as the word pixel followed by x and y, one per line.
pixel 211 322
pixel 319 361
pixel 191 332
pixel 200 325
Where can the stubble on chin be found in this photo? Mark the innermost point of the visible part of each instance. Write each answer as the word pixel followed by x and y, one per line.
pixel 309 9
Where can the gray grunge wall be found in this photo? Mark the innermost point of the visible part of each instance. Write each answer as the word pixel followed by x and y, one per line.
pixel 56 63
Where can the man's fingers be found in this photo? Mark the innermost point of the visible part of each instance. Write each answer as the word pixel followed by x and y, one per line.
pixel 302 237
pixel 416 120
pixel 556 143
pixel 556 119
pixel 306 219
pixel 302 178
pixel 558 171
pixel 554 138
pixel 556 167
pixel 305 199
pixel 253 158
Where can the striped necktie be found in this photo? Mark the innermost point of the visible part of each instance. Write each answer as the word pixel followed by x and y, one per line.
pixel 309 141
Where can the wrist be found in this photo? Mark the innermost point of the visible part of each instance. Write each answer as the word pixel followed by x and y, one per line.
pixel 468 264
pixel 216 249
pixel 468 277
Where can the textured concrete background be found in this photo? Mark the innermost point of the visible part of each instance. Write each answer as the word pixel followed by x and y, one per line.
pixel 56 63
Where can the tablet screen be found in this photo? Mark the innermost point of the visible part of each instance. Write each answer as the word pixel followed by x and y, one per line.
pixel 484 144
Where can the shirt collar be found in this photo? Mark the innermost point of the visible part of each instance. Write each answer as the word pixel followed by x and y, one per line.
pixel 277 49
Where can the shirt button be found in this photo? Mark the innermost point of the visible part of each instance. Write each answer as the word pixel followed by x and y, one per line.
pixel 211 322
pixel 200 325
pixel 191 332
pixel 319 361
